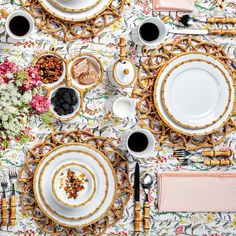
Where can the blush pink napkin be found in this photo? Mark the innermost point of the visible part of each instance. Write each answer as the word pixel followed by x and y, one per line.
pixel 173 5
pixel 197 191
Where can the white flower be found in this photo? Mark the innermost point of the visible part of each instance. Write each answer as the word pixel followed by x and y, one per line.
pixel 9 75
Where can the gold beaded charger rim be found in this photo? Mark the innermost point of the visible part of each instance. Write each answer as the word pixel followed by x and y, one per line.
pixel 68 31
pixel 103 144
pixel 154 61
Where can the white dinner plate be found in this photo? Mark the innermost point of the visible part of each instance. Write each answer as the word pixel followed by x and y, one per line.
pixel 105 178
pixel 195 93
pixel 75 5
pixel 75 16
pixel 158 95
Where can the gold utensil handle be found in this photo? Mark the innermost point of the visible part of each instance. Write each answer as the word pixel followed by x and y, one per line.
pixel 222 20
pixel 223 31
pixel 137 217
pixel 4 212
pixel 146 218
pixel 213 153
pixel 13 210
pixel 217 162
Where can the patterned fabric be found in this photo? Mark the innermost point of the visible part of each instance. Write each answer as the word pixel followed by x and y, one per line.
pixel 93 116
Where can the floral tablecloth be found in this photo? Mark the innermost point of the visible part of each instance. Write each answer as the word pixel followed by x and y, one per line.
pixel 93 116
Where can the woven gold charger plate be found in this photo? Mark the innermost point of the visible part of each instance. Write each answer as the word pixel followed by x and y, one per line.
pixel 148 116
pixel 106 146
pixel 67 31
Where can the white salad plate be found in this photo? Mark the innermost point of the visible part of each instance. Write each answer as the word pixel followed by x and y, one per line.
pixel 195 93
pixel 75 5
pixel 192 98
pixel 105 181
pixel 75 16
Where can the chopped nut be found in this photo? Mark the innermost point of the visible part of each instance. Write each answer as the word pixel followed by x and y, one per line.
pixel 50 68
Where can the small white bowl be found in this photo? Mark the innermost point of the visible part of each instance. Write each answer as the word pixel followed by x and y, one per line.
pixel 77 107
pixel 52 85
pixel 95 62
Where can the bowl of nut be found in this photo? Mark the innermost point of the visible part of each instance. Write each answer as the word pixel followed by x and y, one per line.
pixel 51 68
pixel 65 103
pixel 86 71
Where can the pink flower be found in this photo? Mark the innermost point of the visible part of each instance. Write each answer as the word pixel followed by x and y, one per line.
pixel 40 103
pixel 179 230
pixel 7 67
pixel 32 79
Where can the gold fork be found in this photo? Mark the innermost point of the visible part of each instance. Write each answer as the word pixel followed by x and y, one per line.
pixel 3 181
pixel 13 179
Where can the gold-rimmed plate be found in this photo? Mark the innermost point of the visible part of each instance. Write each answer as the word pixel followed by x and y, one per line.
pixel 75 5
pixel 195 93
pixel 75 16
pixel 157 95
pixel 106 183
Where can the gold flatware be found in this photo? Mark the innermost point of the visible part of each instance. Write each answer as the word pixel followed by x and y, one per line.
pixel 197 159
pixel 13 179
pixel 187 20
pixel 147 182
pixel 3 182
pixel 203 32
pixel 182 153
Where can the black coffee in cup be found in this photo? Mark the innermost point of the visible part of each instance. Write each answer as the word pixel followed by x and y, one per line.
pixel 149 31
pixel 19 25
pixel 138 142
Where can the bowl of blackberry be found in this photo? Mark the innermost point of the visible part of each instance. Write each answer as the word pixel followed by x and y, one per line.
pixel 65 102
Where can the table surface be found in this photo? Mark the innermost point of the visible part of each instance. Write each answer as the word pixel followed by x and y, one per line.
pixel 92 118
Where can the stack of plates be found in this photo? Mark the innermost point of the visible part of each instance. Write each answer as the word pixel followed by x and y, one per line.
pixel 92 202
pixel 195 94
pixel 75 10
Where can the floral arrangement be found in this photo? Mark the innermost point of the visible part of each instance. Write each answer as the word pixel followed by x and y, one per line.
pixel 19 99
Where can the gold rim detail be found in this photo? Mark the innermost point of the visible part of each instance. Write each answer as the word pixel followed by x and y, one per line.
pixel 187 133
pixel 62 216
pixel 164 100
pixel 58 197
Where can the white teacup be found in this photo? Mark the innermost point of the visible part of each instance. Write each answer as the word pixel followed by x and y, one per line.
pixel 24 14
pixel 138 39
pixel 138 148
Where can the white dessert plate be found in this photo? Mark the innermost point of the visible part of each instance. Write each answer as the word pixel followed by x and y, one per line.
pixel 75 16
pixel 195 93
pixel 75 5
pixel 158 95
pixel 105 179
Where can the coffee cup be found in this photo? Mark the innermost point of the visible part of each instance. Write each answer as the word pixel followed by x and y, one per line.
pixel 140 143
pixel 19 25
pixel 151 32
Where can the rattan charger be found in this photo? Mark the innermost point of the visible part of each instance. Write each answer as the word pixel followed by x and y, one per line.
pixel 68 31
pixel 106 146
pixel 148 116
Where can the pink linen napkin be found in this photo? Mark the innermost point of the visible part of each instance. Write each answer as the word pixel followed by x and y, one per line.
pixel 173 5
pixel 197 191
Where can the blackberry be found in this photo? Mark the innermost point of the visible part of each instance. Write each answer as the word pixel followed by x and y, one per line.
pixel 53 100
pixel 66 106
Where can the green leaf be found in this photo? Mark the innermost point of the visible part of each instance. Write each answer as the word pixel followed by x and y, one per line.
pixel 46 117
